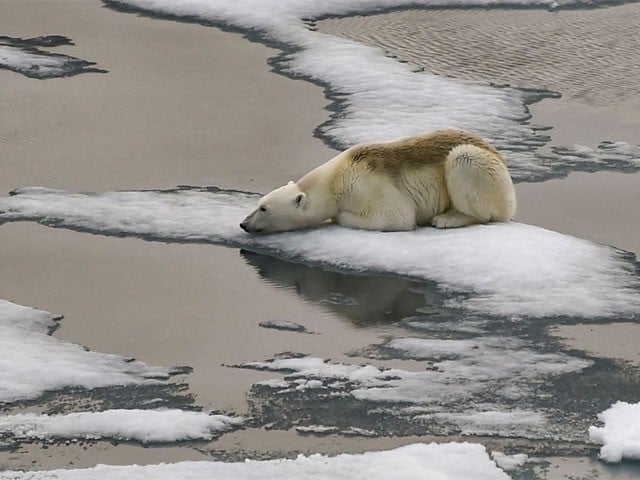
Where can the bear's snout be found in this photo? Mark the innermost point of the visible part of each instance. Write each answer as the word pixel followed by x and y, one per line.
pixel 247 227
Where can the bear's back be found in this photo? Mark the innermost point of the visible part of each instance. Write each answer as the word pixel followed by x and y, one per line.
pixel 401 156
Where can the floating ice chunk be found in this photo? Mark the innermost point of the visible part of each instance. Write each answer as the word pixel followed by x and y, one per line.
pixel 317 429
pixel 619 156
pixel 448 461
pixel 33 362
pixel 284 325
pixel 509 462
pixel 145 426
pixel 503 423
pixel 423 323
pixel 274 383
pixel 35 63
pixel 620 435
pixel 314 367
pixel 336 298
pixel 507 269
pixel 488 356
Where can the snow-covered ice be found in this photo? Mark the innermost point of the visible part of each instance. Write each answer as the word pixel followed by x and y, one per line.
pixel 447 461
pixel 145 426
pixel 505 367
pixel 509 269
pixel 29 62
pixel 380 98
pixel 494 380
pixel 620 435
pixel 33 362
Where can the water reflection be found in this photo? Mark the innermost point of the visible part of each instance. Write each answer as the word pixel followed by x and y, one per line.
pixel 363 299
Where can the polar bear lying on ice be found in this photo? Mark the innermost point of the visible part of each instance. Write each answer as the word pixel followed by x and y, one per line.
pixel 447 178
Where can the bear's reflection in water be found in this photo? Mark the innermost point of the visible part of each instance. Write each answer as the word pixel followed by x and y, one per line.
pixel 364 299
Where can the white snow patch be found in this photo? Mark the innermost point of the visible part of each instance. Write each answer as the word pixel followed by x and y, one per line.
pixel 33 362
pixel 448 461
pixel 620 435
pixel 506 269
pixel 164 425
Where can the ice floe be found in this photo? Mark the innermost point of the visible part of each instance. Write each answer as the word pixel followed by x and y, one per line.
pixel 481 386
pixel 619 155
pixel 23 57
pixel 508 269
pixel 380 98
pixel 501 423
pixel 33 362
pixel 284 325
pixel 459 370
pixel 509 462
pixel 447 461
pixel 145 426
pixel 620 435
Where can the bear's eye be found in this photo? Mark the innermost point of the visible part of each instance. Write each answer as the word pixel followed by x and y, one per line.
pixel 263 209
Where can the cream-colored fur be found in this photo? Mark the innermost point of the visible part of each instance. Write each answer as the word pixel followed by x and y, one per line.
pixel 447 179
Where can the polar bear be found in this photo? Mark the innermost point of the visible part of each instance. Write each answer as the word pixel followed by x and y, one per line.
pixel 447 179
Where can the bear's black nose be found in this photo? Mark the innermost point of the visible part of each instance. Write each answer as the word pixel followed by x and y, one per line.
pixel 244 226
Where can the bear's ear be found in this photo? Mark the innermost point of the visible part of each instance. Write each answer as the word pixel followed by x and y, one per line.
pixel 300 199
pixel 290 182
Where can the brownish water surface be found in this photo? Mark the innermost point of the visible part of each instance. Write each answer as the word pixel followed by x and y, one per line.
pixel 187 104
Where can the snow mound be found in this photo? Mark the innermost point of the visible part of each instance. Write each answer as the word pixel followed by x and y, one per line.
pixel 620 435
pixel 146 426
pixel 448 461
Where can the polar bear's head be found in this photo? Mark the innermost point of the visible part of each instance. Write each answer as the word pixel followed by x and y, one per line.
pixel 278 211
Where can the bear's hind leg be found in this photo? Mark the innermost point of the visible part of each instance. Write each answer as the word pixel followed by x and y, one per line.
pixel 479 186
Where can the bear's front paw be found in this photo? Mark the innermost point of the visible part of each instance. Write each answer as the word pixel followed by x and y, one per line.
pixel 453 219
pixel 439 221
